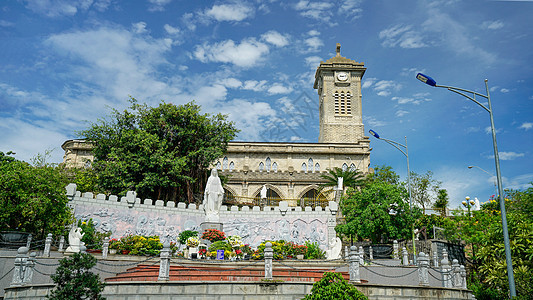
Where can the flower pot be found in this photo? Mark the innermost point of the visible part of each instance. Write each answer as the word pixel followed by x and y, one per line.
pixel 300 256
pixel 112 251
pixel 125 252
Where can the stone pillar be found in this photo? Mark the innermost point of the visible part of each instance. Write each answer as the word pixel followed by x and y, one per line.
pixel 456 274
pixel 105 248
pixel 20 266
pixel 405 257
pixel 346 252
pixel 395 250
pixel 269 255
pixel 463 276
pixel 28 242
pixel 28 272
pixel 61 244
pixel 353 261
pixel 164 265
pixel 435 260
pixel 445 271
pixel 47 245
pixel 361 255
pixel 371 253
pixel 423 264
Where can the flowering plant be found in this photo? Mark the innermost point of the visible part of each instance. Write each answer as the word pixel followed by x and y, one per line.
pixel 235 241
pixel 239 253
pixel 202 252
pixel 114 244
pixel 193 242
pixel 213 235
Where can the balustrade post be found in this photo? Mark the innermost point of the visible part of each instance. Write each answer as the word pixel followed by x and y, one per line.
pixel 463 276
pixel 371 253
pixel 47 245
pixel 20 266
pixel 405 257
pixel 445 270
pixel 28 272
pixel 456 273
pixel 269 255
pixel 105 248
pixel 28 241
pixel 353 261
pixel 423 264
pixel 395 250
pixel 435 260
pixel 61 244
pixel 164 265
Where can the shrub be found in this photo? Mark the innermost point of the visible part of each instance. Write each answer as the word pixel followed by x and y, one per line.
pixel 314 251
pixel 213 235
pixel 333 286
pixel 184 235
pixel 92 238
pixel 220 245
pixel 141 245
pixel 75 281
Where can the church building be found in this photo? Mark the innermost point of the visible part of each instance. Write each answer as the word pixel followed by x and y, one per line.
pixel 291 171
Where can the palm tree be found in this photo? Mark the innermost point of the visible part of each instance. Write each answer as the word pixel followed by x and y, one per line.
pixel 351 178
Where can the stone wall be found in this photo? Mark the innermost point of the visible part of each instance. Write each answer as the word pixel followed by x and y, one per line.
pixel 131 215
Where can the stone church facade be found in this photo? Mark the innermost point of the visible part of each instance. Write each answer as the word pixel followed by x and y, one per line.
pixel 291 171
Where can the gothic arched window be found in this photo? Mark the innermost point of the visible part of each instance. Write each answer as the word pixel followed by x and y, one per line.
pixel 219 166
pixel 267 164
pixel 225 163
pixel 310 165
pixel 317 167
pixel 304 167
pixel 261 166
pixel 352 167
pixel 231 166
pixel 344 167
pixel 275 167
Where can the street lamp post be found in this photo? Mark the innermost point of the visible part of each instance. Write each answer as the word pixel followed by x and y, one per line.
pixel 491 175
pixel 406 153
pixel 468 203
pixel 430 81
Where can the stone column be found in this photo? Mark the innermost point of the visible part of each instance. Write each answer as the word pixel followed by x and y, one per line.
pixel 395 250
pixel 463 276
pixel 405 257
pixel 346 252
pixel 456 274
pixel 61 244
pixel 105 248
pixel 353 261
pixel 371 253
pixel 20 266
pixel 28 242
pixel 361 255
pixel 164 265
pixel 423 264
pixel 269 255
pixel 28 273
pixel 435 260
pixel 445 271
pixel 47 245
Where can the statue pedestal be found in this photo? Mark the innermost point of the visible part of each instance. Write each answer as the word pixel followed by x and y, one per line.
pixel 209 225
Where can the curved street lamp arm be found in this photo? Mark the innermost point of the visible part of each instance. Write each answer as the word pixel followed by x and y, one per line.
pixel 395 145
pixel 459 90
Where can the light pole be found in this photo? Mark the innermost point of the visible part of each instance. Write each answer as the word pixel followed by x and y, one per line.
pixel 406 153
pixel 491 175
pixel 430 81
pixel 468 203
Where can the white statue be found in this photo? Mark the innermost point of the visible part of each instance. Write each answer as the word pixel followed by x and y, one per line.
pixel 477 205
pixel 263 192
pixel 334 249
pixel 74 240
pixel 213 195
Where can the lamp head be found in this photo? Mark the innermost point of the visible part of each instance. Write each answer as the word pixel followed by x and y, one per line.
pixel 426 79
pixel 470 167
pixel 467 198
pixel 375 134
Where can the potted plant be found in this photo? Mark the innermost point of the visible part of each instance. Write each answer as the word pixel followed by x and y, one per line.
pixel 192 244
pixel 114 246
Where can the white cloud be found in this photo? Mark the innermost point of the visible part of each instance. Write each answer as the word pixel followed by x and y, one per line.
pixel 372 122
pixel 401 113
pixel 526 125
pixel 275 38
pixel 385 87
pixel 158 5
pixel 139 27
pixel 189 19
pixel 472 129
pixel 313 61
pixel 508 155
pixel 402 36
pixel 4 23
pixel 58 8
pixel 313 32
pixel 249 117
pixel 488 130
pixel 368 82
pixel 171 30
pixel 403 100
pixel 230 82
pixel 504 90
pixel 246 54
pixel 278 88
pixel 230 12
pixel 313 44
pixel 318 10
pixel 254 85
pixel 351 8
pixel 492 25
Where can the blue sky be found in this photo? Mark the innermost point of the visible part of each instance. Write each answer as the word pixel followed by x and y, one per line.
pixel 66 62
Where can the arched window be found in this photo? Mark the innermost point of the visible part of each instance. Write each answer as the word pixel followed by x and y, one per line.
pixel 352 167
pixel 275 167
pixel 267 164
pixel 225 163
pixel 304 167
pixel 317 167
pixel 344 167
pixel 219 166
pixel 310 165
pixel 231 166
pixel 261 166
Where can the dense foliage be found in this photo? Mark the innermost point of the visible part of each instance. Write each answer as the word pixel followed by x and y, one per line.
pixel 424 189
pixel 184 235
pixel 32 198
pixel 92 238
pixel 333 286
pixel 160 152
pixel 74 280
pixel 290 250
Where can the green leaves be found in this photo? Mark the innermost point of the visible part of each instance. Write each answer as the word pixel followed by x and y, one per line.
pixel 333 286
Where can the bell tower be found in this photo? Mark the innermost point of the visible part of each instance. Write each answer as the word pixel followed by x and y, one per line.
pixel 338 82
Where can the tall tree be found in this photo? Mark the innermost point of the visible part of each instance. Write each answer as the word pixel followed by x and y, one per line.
pixel 158 151
pixel 423 189
pixel 441 203
pixel 32 198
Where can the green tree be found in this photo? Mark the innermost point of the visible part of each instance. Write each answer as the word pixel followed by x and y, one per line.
pixel 75 281
pixel 423 189
pixel 441 203
pixel 157 150
pixel 379 211
pixel 333 286
pixel 32 199
pixel 385 174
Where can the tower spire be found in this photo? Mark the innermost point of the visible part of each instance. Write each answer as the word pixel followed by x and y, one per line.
pixel 338 49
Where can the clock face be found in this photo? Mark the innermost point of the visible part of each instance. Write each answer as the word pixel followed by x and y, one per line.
pixel 342 76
